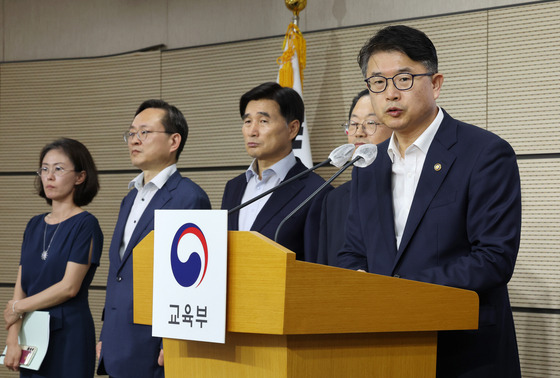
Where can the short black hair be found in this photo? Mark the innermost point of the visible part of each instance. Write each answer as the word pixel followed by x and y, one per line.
pixel 289 101
pixel 355 100
pixel 82 160
pixel 173 121
pixel 409 41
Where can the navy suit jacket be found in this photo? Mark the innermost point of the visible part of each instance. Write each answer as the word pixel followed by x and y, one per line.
pixel 463 231
pixel 333 223
pixel 129 350
pixel 300 233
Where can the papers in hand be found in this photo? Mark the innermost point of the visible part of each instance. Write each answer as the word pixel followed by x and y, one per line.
pixel 33 339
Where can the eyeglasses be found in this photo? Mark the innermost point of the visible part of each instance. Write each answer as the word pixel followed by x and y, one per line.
pixel 57 171
pixel 402 81
pixel 142 134
pixel 369 127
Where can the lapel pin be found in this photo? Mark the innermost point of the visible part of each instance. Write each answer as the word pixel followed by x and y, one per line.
pixel 437 167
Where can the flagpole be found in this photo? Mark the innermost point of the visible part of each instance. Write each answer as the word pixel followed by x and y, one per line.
pixel 292 64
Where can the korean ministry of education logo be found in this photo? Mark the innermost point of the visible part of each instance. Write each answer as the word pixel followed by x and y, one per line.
pixel 194 268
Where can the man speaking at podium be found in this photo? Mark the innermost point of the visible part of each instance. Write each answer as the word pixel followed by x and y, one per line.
pixel 272 116
pixel 440 204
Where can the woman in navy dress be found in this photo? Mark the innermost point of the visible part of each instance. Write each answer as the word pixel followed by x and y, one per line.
pixel 59 255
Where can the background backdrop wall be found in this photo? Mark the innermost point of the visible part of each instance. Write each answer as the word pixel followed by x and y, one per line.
pixel 39 29
pixel 501 67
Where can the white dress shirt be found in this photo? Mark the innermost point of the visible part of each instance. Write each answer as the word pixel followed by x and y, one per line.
pixel 271 177
pixel 145 194
pixel 406 173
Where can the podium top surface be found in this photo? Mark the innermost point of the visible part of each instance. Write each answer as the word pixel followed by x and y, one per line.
pixel 270 292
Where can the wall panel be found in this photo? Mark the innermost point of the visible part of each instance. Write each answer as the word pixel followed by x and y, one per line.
pixel 66 28
pixel 18 203
pixel 538 337
pixel 206 83
pixel 524 76
pixel 69 29
pixel 536 282
pixel 92 100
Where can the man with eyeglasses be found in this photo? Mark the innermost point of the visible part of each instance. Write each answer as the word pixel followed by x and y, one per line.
pixel 362 127
pixel 272 116
pixel 155 139
pixel 440 204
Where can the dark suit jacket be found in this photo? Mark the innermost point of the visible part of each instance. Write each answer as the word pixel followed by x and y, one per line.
pixel 333 222
pixel 463 230
pixel 299 234
pixel 128 349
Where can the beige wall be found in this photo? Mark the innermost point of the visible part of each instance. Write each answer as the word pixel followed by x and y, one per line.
pixel 46 29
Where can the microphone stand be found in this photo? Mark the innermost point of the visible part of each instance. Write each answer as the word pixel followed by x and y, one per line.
pixel 314 194
pixel 283 183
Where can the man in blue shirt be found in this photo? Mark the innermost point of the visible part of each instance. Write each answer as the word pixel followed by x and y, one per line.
pixel 155 140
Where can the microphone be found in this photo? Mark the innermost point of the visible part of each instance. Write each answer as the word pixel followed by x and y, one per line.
pixel 367 153
pixel 337 157
pixel 341 154
pixel 363 157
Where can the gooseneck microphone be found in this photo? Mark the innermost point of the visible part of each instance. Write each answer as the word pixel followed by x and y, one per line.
pixel 337 157
pixel 363 157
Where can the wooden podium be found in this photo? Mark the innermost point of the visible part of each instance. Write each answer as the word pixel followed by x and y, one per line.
pixel 288 318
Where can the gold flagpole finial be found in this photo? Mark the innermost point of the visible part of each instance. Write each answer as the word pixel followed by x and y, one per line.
pixel 296 6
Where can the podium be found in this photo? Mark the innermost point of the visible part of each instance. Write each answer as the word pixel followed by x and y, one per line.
pixel 292 319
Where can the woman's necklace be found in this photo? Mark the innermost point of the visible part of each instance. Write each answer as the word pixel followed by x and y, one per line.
pixel 45 253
